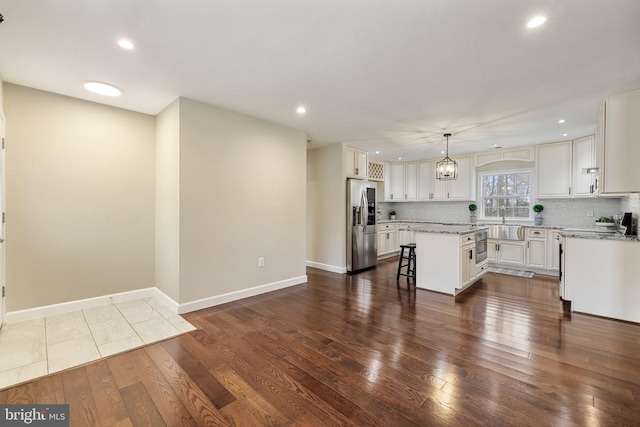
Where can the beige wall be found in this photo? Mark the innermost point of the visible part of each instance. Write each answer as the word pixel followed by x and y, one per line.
pixel 326 200
pixel 167 244
pixel 242 196
pixel 80 199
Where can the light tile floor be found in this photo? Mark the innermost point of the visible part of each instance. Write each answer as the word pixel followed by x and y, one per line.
pixel 34 348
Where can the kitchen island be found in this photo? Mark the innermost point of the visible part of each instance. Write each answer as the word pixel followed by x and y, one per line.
pixel 446 257
pixel 600 274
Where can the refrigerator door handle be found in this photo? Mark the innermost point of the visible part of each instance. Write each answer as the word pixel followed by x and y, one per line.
pixel 363 210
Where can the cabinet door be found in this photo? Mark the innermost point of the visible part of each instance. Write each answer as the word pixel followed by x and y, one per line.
pixel 536 253
pixel 425 178
pixel 553 251
pixel 492 250
pixel 382 243
pixel 397 181
pixel 439 190
pixel 361 164
pixel 553 170
pixel 583 157
pixel 387 182
pixel 511 252
pixel 621 149
pixel 465 271
pixel 462 188
pixel 410 181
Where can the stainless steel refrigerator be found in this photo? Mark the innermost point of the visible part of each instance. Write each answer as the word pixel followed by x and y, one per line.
pixel 362 242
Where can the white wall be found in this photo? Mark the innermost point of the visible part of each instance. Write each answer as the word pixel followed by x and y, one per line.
pixel 167 243
pixel 326 200
pixel 80 199
pixel 242 196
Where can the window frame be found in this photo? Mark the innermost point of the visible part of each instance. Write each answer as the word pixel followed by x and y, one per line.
pixel 532 192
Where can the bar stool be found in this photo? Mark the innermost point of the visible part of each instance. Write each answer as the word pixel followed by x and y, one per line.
pixel 410 258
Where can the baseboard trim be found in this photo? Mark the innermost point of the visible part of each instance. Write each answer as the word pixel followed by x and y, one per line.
pixel 327 267
pixel 238 295
pixel 66 307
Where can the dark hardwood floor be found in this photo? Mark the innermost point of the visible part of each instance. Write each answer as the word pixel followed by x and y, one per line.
pixel 357 350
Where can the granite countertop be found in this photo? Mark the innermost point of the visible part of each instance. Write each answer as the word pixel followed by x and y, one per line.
pixel 479 224
pixel 599 235
pixel 449 229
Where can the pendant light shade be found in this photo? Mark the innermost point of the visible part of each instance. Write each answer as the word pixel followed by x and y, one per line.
pixel 446 169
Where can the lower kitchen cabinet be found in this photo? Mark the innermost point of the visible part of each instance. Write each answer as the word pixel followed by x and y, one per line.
pixel 553 250
pixel 536 239
pixel 507 252
pixel 405 234
pixel 601 277
pixel 387 239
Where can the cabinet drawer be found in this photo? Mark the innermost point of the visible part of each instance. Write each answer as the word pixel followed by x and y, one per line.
pixel 381 228
pixel 536 233
pixel 467 238
pixel 480 269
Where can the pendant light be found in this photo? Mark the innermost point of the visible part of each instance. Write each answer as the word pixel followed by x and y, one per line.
pixel 446 169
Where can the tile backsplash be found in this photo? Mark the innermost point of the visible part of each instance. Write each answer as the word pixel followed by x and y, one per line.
pixel 557 212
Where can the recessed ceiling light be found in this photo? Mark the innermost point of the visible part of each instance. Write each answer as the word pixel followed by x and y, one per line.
pixel 126 44
pixel 301 110
pixel 536 22
pixel 102 88
pixel 442 152
pixel 565 134
pixel 399 158
pixel 561 121
pixel 377 152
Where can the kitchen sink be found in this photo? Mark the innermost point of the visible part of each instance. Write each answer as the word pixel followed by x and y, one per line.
pixel 505 232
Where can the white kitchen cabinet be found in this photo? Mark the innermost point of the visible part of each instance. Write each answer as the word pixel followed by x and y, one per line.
pixel 601 277
pixel 405 234
pixel 492 250
pixel 410 181
pixel 584 157
pixel 387 239
pixel 387 182
pixel 355 163
pixel 397 182
pixel 446 262
pixel 400 181
pixel 619 148
pixel 467 265
pixel 462 188
pixel 553 250
pixel 536 239
pixel 508 252
pixel 518 154
pixel 426 174
pixel 553 170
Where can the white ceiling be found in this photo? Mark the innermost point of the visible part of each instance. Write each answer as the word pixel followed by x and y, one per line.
pixel 388 75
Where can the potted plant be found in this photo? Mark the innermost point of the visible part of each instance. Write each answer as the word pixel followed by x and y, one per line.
pixel 392 215
pixel 472 212
pixel 538 210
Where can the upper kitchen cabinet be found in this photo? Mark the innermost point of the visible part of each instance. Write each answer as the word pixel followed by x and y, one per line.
pixel 518 154
pixel 426 173
pixel 355 163
pixel 584 183
pixel 457 189
pixel 400 181
pixel 553 170
pixel 619 146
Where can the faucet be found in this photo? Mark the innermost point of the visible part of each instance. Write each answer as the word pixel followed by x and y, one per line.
pixel 503 210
